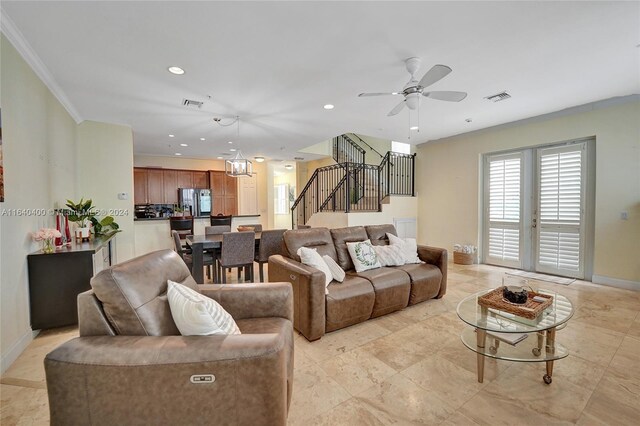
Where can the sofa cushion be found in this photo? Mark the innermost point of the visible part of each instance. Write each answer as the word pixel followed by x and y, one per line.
pixel 378 233
pixel 342 236
pixel 134 293
pixel 391 286
pixel 315 238
pixel 310 257
pixel 349 302
pixel 425 281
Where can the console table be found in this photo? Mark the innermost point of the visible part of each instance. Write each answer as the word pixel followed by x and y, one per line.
pixel 56 279
pixel 484 320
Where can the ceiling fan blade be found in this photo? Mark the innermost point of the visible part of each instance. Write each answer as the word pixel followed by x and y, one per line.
pixel 378 94
pixel 397 109
pixel 446 95
pixel 436 73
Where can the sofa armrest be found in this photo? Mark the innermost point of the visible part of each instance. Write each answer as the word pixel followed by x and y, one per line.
pixel 308 294
pixel 438 257
pixel 125 380
pixel 253 300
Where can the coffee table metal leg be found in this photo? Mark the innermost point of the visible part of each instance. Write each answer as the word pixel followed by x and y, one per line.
pixel 550 349
pixel 481 336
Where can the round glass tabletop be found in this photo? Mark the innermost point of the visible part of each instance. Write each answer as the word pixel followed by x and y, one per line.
pixel 492 319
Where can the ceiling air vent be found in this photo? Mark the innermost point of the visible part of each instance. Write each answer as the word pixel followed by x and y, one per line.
pixel 498 97
pixel 191 103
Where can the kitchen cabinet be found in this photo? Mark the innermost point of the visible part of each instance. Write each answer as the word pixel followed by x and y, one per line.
pixel 140 186
pixel 200 179
pixel 170 186
pixel 185 179
pixel 224 193
pixel 155 186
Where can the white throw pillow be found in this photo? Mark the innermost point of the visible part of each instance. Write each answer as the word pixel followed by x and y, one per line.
pixel 409 248
pixel 337 272
pixel 363 256
pixel 390 255
pixel 310 257
pixel 196 314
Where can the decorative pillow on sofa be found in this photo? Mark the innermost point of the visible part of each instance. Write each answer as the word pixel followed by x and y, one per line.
pixel 337 272
pixel 390 255
pixel 363 256
pixel 311 257
pixel 409 248
pixel 196 314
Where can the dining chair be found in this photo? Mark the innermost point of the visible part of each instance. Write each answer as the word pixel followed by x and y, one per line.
pixel 217 229
pixel 221 220
pixel 238 249
pixel 208 260
pixel 270 244
pixel 184 227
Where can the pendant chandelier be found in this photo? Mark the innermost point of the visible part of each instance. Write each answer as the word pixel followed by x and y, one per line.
pixel 237 166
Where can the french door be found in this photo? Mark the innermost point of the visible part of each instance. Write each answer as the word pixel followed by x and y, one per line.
pixel 534 209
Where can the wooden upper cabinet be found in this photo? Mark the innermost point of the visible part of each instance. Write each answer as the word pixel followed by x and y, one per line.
pixel 231 186
pixel 200 179
pixel 170 184
pixel 217 183
pixel 155 186
pixel 140 186
pixel 185 179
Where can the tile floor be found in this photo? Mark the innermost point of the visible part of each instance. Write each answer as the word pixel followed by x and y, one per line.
pixel 410 367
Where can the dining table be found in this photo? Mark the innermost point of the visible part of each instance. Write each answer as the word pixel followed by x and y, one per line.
pixel 198 244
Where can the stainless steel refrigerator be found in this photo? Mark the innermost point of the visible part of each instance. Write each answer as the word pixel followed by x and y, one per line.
pixel 195 201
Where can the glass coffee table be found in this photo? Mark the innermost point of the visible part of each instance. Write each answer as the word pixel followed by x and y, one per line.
pixel 492 329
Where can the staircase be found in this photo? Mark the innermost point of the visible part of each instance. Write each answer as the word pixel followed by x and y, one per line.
pixel 353 186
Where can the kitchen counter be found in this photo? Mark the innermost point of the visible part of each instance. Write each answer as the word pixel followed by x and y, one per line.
pixel 198 217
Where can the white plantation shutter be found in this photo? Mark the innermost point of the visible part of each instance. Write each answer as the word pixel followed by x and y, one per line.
pixel 560 210
pixel 503 189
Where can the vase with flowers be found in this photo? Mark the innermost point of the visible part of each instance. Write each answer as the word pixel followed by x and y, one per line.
pixel 47 236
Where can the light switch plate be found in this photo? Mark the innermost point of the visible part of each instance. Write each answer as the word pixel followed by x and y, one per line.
pixel 123 196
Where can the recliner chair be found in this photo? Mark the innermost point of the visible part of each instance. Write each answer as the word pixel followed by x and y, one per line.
pixel 130 364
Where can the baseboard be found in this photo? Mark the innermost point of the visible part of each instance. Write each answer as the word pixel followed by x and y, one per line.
pixel 12 354
pixel 616 282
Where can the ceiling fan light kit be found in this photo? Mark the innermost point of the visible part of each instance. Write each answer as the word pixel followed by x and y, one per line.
pixel 413 91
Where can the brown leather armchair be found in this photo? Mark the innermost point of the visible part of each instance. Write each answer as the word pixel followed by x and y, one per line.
pixel 130 364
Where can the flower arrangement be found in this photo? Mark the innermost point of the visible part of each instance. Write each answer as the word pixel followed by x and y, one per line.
pixel 465 248
pixel 47 236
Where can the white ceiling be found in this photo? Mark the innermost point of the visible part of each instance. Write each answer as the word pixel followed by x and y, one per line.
pixel 275 64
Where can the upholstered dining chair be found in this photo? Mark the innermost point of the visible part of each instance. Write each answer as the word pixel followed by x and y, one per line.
pixel 184 227
pixel 270 244
pixel 217 229
pixel 208 260
pixel 238 250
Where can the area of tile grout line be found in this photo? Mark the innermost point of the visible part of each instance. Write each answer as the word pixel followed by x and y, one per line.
pixel 410 366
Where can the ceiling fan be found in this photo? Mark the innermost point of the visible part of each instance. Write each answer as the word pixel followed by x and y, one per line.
pixel 414 88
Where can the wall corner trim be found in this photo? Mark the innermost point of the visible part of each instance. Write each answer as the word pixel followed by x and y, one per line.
pixel 13 34
pixel 14 352
pixel 616 282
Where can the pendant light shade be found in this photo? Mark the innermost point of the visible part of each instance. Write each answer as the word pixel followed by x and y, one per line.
pixel 238 166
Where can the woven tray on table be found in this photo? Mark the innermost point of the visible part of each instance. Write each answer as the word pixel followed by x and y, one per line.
pixel 529 310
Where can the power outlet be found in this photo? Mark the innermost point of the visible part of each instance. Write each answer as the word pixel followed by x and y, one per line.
pixel 624 216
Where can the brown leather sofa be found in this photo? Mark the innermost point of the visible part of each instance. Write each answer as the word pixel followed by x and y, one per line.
pixel 130 364
pixel 361 296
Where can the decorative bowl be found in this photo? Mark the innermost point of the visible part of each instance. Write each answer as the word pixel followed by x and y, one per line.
pixel 246 228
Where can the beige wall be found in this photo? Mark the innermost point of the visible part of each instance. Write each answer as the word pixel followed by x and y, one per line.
pixel 105 168
pixel 39 172
pixel 448 176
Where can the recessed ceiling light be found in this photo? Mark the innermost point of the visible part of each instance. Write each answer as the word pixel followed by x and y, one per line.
pixel 176 70
pixel 288 166
pixel 232 149
pixel 259 159
pixel 328 106
pixel 172 136
pixel 183 144
pixel 230 142
pixel 202 139
pixel 219 158
pixel 413 128
pixel 177 153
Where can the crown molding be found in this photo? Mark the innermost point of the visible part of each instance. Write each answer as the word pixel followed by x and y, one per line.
pixel 15 37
